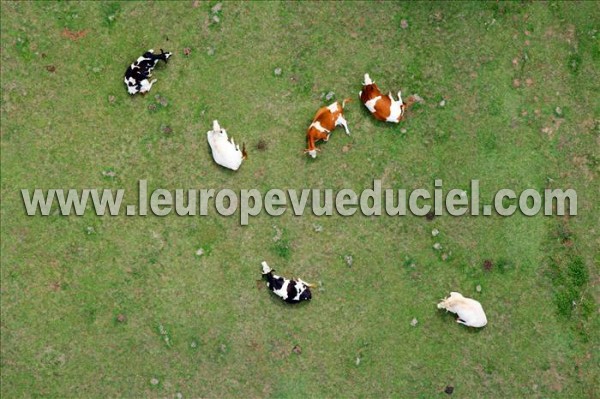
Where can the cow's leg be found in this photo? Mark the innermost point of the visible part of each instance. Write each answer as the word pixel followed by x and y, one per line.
pixel 342 122
pixel 146 86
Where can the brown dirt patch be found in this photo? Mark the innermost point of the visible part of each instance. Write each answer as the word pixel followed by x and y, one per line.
pixel 74 35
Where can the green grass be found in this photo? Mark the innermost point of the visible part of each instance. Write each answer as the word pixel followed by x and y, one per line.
pixel 202 325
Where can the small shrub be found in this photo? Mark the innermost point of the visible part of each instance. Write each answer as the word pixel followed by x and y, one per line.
pixel 282 248
pixel 22 46
pixel 577 272
pixel 503 265
pixel 110 12
pixel 563 232
pixel 409 262
pixel 564 301
pixel 573 63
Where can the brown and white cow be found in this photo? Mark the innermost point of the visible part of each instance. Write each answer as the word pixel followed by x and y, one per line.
pixel 383 108
pixel 325 120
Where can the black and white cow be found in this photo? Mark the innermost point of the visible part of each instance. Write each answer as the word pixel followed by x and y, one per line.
pixel 291 291
pixel 137 76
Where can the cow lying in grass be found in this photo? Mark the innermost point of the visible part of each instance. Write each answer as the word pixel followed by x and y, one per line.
pixel 469 311
pixel 383 108
pixel 224 150
pixel 139 72
pixel 325 120
pixel 291 291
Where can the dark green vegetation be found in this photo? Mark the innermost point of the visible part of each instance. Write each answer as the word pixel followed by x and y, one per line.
pixel 123 306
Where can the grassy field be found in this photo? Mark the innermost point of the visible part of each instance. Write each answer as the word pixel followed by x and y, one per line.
pixel 122 306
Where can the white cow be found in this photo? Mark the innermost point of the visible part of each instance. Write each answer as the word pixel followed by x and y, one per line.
pixel 469 311
pixel 224 150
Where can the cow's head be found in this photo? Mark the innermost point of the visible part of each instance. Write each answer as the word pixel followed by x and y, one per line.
pixel 312 153
pixel 306 295
pixel 164 56
pixel 265 268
